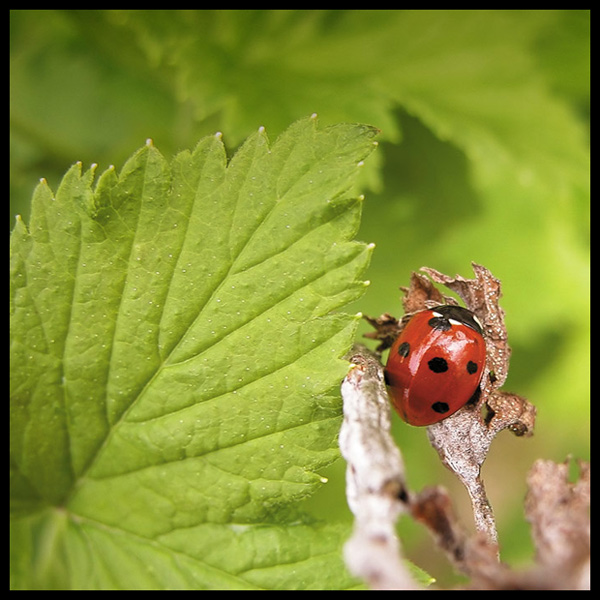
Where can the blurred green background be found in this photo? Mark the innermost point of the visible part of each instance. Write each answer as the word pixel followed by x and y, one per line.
pixel 484 156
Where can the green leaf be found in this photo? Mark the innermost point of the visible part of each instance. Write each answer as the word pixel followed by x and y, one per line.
pixel 175 359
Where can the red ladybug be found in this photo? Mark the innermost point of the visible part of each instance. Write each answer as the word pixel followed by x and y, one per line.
pixel 435 366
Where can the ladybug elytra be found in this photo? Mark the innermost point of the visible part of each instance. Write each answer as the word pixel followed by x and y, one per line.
pixel 436 364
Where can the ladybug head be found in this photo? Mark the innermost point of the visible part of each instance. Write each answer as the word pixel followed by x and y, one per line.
pixel 447 315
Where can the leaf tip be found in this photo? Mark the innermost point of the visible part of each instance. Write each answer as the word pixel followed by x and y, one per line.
pixel 219 135
pixel 313 116
pixel 150 142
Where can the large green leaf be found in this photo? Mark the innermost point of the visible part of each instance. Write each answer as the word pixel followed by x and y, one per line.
pixel 174 364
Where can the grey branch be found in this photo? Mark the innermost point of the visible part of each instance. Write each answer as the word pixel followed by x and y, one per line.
pixel 375 482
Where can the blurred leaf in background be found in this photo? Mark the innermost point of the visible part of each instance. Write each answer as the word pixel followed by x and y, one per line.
pixel 485 122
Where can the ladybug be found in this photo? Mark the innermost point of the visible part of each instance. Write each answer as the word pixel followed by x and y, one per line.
pixel 436 364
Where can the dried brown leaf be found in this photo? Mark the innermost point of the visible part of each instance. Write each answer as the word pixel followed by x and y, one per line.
pixel 463 439
pixel 558 511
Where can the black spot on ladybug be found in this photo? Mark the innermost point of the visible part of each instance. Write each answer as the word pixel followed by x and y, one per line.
pixel 386 377
pixel 438 365
pixel 471 367
pixel 404 349
pixel 440 407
